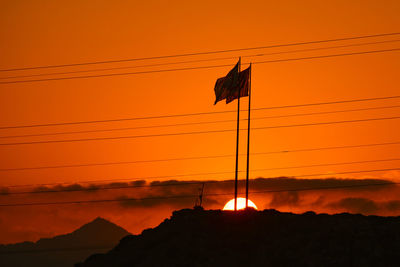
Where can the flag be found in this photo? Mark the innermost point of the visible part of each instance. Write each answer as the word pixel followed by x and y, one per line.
pixel 242 86
pixel 225 85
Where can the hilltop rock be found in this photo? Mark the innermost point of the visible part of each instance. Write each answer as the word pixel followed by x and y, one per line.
pixel 259 238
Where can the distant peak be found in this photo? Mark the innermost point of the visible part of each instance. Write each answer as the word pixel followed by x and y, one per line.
pixel 100 219
pixel 97 224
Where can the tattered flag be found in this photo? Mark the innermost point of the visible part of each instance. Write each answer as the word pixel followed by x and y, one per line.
pixel 242 86
pixel 226 85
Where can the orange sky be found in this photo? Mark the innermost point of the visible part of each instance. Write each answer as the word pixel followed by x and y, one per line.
pixel 62 32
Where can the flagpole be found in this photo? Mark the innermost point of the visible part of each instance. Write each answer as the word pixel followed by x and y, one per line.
pixel 237 142
pixel 248 143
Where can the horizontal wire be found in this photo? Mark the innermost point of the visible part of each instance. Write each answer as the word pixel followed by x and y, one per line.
pixel 323 123
pixel 197 123
pixel 116 163
pixel 116 187
pixel 325 148
pixel 327 164
pixel 199 60
pixel 204 113
pixel 209 194
pixel 184 158
pixel 193 174
pixel 320 188
pixel 324 56
pixel 201 67
pixel 202 53
pixel 194 132
pixel 345 172
pixel 126 67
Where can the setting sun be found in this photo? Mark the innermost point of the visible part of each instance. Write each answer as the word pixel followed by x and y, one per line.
pixel 241 204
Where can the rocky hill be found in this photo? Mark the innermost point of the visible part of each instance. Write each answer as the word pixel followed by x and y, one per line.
pixel 97 236
pixel 259 238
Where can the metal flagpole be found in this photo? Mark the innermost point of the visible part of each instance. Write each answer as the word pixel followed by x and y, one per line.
pixel 237 141
pixel 248 143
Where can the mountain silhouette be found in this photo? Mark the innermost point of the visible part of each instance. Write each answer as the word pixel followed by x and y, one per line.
pixel 259 238
pixel 97 236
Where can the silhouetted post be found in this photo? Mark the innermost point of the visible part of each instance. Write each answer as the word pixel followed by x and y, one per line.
pixel 237 142
pixel 201 195
pixel 248 143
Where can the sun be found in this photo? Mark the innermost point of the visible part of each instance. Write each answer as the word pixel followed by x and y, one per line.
pixel 241 204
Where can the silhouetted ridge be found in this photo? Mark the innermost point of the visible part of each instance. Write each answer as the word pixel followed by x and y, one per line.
pixel 96 236
pixel 259 238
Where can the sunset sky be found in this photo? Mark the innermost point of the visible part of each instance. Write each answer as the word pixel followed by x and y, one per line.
pixel 43 33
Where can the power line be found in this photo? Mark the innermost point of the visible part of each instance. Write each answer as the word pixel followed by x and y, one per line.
pixel 202 53
pixel 132 179
pixel 325 148
pixel 194 132
pixel 326 56
pixel 311 188
pixel 327 112
pixel 185 158
pixel 202 113
pixel 116 163
pixel 69 190
pixel 320 48
pixel 201 67
pixel 197 60
pixel 327 164
pixel 92 201
pixel 126 67
pixel 323 123
pixel 196 123
pixel 109 188
pixel 319 188
pixel 210 194
pixel 346 172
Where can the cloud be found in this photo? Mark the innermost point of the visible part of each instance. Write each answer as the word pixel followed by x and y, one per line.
pixel 365 205
pixel 393 205
pixel 72 187
pixel 88 187
pixel 138 183
pixel 4 190
pixel 284 199
pixel 269 184
pixel 318 202
pixel 275 190
pixel 156 200
pixel 356 205
pixel 280 192
pixel 284 183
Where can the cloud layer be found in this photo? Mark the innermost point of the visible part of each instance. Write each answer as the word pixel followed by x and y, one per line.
pixel 137 205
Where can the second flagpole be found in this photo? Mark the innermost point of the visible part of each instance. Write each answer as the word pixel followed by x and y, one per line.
pixel 237 141
pixel 248 143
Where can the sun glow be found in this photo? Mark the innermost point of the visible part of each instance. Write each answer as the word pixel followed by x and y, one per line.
pixel 241 204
